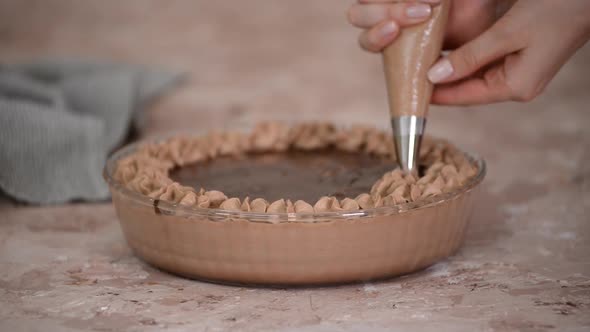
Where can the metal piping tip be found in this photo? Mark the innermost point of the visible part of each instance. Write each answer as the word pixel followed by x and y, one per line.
pixel 407 137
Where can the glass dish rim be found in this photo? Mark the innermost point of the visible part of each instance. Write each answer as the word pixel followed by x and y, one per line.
pixel 167 208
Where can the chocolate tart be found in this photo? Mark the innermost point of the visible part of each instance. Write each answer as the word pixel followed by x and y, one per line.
pixel 301 205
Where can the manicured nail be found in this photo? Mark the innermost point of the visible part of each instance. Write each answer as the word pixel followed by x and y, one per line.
pixel 388 29
pixel 442 70
pixel 418 11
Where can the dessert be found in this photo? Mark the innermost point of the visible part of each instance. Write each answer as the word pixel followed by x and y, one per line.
pixel 182 210
pixel 310 167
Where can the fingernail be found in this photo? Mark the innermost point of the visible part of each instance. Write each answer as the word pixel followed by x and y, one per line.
pixel 388 29
pixel 442 70
pixel 418 11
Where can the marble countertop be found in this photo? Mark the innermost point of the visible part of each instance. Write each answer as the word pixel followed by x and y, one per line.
pixel 525 264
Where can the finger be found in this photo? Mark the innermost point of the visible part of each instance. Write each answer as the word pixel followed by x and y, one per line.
pixel 404 14
pixel 490 88
pixel 467 59
pixel 432 2
pixel 376 38
pixel 470 92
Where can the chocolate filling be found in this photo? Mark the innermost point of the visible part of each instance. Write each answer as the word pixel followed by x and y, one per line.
pixel 294 175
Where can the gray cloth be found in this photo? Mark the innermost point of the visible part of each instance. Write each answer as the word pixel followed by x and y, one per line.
pixel 60 118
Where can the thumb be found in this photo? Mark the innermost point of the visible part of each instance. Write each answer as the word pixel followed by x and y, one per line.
pixel 491 45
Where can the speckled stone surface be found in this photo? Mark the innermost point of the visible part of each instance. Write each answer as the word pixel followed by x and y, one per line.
pixel 525 265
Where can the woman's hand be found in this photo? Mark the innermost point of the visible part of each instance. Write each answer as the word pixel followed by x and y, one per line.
pixel 514 59
pixel 517 57
pixel 381 19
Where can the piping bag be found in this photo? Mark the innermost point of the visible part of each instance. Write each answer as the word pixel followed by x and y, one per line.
pixel 406 63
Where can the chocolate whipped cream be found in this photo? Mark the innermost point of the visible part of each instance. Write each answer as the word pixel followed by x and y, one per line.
pixel 278 169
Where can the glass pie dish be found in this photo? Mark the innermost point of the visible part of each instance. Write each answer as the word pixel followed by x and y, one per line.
pixel 293 248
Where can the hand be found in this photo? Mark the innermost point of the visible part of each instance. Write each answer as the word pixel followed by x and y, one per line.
pixel 381 20
pixel 517 57
pixel 512 60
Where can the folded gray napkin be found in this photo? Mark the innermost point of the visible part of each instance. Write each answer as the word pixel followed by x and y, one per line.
pixel 60 118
